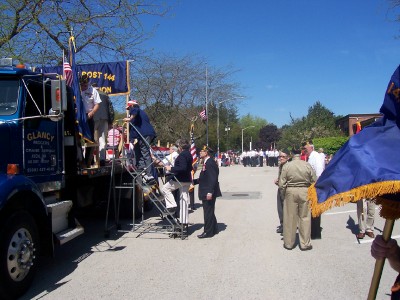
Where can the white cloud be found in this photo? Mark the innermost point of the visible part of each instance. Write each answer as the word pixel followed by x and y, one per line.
pixel 271 86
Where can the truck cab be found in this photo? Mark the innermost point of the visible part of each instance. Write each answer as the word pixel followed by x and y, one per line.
pixel 38 156
pixel 43 186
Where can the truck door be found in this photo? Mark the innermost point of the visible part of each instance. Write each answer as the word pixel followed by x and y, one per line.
pixel 42 138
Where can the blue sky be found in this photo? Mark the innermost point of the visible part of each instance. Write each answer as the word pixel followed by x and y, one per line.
pixel 291 53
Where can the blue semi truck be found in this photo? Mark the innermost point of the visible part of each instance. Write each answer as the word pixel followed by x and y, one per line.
pixel 41 182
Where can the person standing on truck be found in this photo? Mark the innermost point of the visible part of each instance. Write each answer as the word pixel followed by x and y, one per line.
pixel 91 101
pixel 140 122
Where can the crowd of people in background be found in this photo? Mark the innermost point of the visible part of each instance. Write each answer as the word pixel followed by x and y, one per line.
pixel 259 158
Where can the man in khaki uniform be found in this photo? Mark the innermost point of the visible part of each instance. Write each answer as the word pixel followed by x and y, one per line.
pixel 294 181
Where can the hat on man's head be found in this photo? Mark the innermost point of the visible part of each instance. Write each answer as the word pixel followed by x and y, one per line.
pixel 131 102
pixel 84 79
pixel 286 151
pixel 307 143
pixel 296 151
pixel 208 149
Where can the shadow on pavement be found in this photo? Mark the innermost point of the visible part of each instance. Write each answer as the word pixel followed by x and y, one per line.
pixel 351 224
pixel 53 270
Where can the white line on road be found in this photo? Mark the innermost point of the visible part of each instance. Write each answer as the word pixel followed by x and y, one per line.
pixel 342 212
pixel 370 241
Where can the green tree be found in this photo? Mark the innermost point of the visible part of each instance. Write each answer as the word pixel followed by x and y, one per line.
pixel 319 122
pixel 269 135
pixel 330 144
pixel 37 31
pixel 253 126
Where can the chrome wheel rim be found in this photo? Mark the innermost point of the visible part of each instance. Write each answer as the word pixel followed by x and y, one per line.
pixel 20 254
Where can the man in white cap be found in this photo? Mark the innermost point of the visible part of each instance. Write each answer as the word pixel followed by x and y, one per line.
pixel 141 129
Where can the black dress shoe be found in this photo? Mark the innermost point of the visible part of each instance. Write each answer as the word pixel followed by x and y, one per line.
pixel 204 236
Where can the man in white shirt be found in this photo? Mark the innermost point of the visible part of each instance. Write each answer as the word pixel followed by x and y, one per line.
pixel 322 156
pixel 261 157
pixel 91 102
pixel 169 160
pixel 276 155
pixel 101 124
pixel 245 158
pixel 253 157
pixel 314 159
pixel 316 162
pixel 271 157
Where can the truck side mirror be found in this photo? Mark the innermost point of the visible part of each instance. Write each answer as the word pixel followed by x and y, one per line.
pixel 58 95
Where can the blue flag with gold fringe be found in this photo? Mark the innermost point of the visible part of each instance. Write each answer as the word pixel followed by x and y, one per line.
pixel 368 165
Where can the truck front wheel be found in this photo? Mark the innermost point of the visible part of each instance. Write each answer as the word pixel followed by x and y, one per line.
pixel 19 247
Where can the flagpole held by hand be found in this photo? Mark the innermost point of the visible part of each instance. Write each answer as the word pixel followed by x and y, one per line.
pixel 379 264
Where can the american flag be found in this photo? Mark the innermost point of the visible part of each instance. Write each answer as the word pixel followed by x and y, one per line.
pixel 203 114
pixel 67 72
pixel 194 154
pixel 193 150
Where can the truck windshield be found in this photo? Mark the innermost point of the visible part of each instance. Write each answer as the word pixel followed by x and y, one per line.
pixel 8 96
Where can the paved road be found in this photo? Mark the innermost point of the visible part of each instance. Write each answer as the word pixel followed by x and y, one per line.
pixel 246 260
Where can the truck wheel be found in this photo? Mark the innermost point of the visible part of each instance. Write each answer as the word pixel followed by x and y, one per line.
pixel 138 207
pixel 148 205
pixel 19 247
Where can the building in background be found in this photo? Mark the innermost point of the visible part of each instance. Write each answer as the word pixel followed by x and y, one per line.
pixel 352 123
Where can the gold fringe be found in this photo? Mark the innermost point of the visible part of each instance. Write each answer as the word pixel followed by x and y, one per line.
pixel 377 191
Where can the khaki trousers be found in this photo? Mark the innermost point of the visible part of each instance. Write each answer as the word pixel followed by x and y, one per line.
pixel 365 220
pixel 170 202
pixel 296 214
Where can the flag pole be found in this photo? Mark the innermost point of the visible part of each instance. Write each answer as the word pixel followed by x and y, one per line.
pixel 379 264
pixel 206 108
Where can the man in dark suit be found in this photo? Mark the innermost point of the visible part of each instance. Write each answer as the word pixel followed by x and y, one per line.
pixel 208 192
pixel 182 180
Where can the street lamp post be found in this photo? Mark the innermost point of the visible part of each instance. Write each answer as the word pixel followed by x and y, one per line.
pixel 227 128
pixel 243 129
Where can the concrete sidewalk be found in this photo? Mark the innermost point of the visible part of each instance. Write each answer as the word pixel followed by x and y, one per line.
pixel 246 260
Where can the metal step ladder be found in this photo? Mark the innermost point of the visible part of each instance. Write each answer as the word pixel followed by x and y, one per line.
pixel 129 182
